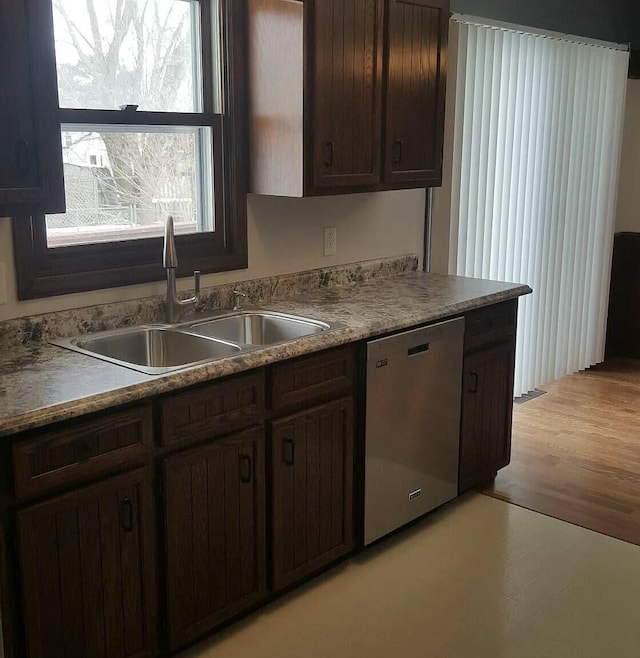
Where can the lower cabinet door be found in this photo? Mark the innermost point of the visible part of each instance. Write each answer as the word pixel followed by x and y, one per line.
pixel 88 572
pixel 487 407
pixel 312 490
pixel 214 528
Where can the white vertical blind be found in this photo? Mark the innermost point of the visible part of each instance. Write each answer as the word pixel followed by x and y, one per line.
pixel 538 132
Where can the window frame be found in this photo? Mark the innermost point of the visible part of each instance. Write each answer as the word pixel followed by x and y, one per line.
pixel 42 271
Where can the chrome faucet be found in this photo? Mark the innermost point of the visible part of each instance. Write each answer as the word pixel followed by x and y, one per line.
pixel 238 296
pixel 176 307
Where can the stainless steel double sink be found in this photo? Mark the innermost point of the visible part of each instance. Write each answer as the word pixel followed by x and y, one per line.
pixel 159 349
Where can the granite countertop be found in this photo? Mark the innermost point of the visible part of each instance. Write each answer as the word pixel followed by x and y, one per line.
pixel 41 383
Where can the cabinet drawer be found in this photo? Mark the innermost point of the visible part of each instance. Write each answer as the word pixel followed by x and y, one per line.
pixel 312 379
pixel 82 451
pixel 489 324
pixel 214 410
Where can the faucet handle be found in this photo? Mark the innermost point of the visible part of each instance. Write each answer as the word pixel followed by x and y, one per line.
pixel 196 281
pixel 238 296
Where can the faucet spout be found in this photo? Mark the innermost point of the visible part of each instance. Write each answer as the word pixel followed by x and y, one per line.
pixel 176 307
pixel 169 256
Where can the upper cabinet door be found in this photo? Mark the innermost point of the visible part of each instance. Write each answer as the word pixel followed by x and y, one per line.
pixel 30 155
pixel 416 73
pixel 345 67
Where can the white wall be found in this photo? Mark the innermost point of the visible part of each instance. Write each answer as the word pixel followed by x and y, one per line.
pixel 628 214
pixel 285 235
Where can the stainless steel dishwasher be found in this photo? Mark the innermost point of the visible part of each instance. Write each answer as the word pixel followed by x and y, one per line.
pixel 414 384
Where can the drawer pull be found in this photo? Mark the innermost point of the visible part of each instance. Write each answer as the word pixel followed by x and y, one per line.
pixel 474 382
pixel 245 469
pixel 289 450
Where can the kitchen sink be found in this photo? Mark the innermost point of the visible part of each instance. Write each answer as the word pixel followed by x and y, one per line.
pixel 258 328
pixel 152 350
pixel 159 349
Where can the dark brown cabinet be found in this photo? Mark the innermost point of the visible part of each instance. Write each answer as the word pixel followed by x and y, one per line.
pixel 88 574
pixel 321 122
pixel 311 380
pixel 83 451
pixel 30 156
pixel 212 410
pixel 623 323
pixel 416 73
pixel 346 87
pixel 214 533
pixel 312 490
pixel 487 394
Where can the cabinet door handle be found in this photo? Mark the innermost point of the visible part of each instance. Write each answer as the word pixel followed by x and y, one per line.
pixel 327 154
pixel 22 157
pixel 289 452
pixel 474 382
pixel 127 515
pixel 397 151
pixel 245 469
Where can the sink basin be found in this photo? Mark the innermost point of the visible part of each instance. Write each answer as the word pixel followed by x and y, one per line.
pixel 159 349
pixel 152 350
pixel 258 328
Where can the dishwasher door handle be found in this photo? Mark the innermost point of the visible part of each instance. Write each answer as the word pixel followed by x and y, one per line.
pixel 418 349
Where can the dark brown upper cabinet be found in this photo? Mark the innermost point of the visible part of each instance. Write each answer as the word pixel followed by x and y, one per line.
pixel 415 82
pixel 345 78
pixel 346 95
pixel 30 152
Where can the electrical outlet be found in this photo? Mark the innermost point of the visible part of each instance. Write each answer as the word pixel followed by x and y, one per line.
pixel 3 284
pixel 330 239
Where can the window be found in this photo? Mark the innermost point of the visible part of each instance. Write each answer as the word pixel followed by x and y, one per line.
pixel 151 113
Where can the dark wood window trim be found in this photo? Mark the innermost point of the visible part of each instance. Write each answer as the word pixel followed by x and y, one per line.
pixel 44 272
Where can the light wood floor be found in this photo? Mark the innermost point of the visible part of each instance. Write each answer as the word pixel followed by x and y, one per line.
pixel 576 451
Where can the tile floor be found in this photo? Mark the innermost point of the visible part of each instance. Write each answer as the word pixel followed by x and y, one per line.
pixel 480 578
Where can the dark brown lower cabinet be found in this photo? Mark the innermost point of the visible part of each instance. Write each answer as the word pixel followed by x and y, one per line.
pixel 623 323
pixel 487 406
pixel 88 572
pixel 312 490
pixel 214 523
